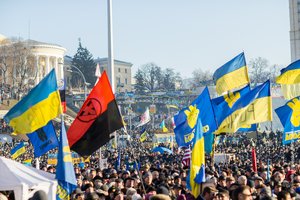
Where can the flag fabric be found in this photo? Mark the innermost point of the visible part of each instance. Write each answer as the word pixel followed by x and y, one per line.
pixel 173 122
pixel 186 119
pixel 172 106
pixel 226 102
pixel 197 166
pixel 186 159
pixel 254 163
pixel 145 118
pixel 290 91
pixel 118 163
pixel 18 150
pixel 143 136
pixel 290 120
pixel 37 108
pixel 97 71
pixel 253 107
pixel 98 117
pixel 65 173
pixel 231 75
pixel 62 93
pixel 43 139
pixel 163 126
pixel 290 74
pixel 27 162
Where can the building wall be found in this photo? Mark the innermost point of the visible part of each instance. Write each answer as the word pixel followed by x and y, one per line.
pixel 122 74
pixel 294 6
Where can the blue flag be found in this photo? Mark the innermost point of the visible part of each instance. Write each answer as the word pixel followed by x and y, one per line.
pixel 18 150
pixel 186 120
pixel 290 120
pixel 43 139
pixel 227 101
pixel 65 173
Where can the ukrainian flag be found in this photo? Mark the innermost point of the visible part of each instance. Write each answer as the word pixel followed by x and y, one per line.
pixel 290 74
pixel 18 150
pixel 227 101
pixel 232 75
pixel 197 167
pixel 253 107
pixel 36 109
pixel 289 115
pixel 163 127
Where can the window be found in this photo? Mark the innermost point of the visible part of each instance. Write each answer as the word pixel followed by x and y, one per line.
pixel 118 80
pixel 125 71
pixel 119 69
pixel 126 81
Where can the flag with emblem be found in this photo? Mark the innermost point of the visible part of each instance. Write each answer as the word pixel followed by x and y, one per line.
pixel 65 173
pixel 145 118
pixel 98 117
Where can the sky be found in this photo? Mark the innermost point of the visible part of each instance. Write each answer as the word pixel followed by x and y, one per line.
pixel 183 35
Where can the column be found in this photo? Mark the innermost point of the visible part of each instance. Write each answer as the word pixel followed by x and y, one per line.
pixel 47 64
pixel 37 80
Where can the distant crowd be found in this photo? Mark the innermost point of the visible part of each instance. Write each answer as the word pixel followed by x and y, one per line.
pixel 136 173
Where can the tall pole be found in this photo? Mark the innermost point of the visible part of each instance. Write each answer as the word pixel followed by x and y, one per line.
pixel 110 59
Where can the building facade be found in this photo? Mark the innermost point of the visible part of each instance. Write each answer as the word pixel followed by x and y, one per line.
pixel 122 74
pixel 294 6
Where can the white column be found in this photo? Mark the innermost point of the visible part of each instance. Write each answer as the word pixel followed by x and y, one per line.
pixel 61 60
pixel 56 66
pixel 37 80
pixel 47 64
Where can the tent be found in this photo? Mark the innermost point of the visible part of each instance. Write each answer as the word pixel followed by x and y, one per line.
pixel 25 180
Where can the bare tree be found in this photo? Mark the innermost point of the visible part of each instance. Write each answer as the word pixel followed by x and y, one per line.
pixel 259 70
pixel 201 78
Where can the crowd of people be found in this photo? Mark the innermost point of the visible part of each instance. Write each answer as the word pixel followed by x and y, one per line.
pixel 136 173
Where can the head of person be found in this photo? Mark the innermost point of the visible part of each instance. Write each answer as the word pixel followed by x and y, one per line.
pixel 209 193
pixel 229 181
pixel 223 195
pixel 242 180
pixel 222 181
pixel 284 195
pixel 243 193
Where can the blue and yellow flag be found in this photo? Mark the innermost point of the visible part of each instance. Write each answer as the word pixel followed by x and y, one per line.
pixel 231 75
pixel 226 102
pixel 163 126
pixel 37 108
pixel 289 115
pixel 290 74
pixel 18 150
pixel 43 140
pixel 251 108
pixel 65 173
pixel 186 119
pixel 144 134
pixel 197 166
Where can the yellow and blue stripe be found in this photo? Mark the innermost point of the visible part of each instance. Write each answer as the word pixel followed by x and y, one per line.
pixel 18 150
pixel 253 107
pixel 37 108
pixel 197 167
pixel 290 74
pixel 231 75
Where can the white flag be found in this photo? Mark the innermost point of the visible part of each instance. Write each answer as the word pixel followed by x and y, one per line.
pixel 145 118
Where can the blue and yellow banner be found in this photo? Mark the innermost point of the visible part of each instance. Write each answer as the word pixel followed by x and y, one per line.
pixel 290 74
pixel 289 115
pixel 163 126
pixel 37 108
pixel 197 168
pixel 251 108
pixel 43 140
pixel 65 173
pixel 144 134
pixel 186 120
pixel 226 102
pixel 231 75
pixel 18 150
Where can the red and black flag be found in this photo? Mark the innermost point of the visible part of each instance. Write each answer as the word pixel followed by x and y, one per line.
pixel 98 117
pixel 62 93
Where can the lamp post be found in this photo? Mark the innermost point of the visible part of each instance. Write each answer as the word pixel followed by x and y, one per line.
pixel 83 77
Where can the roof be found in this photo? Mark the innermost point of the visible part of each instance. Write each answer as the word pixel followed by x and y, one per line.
pixel 105 60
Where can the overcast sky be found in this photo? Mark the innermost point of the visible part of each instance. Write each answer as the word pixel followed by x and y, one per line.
pixel 184 35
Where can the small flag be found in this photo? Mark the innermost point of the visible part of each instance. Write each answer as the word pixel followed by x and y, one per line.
pixel 98 72
pixel 163 126
pixel 27 162
pixel 18 150
pixel 143 135
pixel 186 159
pixel 43 140
pixel 62 93
pixel 98 117
pixel 37 108
pixel 65 173
pixel 145 118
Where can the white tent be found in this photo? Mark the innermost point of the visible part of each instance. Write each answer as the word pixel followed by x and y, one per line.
pixel 25 180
